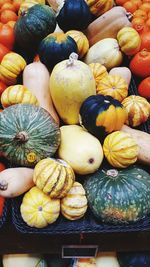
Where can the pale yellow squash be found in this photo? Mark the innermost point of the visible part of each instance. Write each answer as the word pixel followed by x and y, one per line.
pixel 71 82
pixel 54 177
pixel 38 210
pixel 74 204
pixel 105 52
pixel 15 181
pixel 120 149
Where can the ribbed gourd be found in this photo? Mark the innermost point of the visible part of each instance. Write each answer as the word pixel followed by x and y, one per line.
pixel 54 177
pixel 28 134
pixel 129 40
pixel 137 108
pixel 74 205
pixel 38 210
pixel 99 72
pixel 17 94
pixel 119 196
pixel 81 41
pixel 101 115
pixel 11 66
pixel 99 7
pixel 120 149
pixel 113 85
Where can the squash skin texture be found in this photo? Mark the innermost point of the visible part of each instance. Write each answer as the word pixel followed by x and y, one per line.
pixel 55 48
pixel 38 210
pixel 120 149
pixel 74 204
pixel 113 85
pixel 54 177
pixel 11 66
pixel 27 134
pixel 119 197
pixel 138 110
pixel 105 52
pixel 74 15
pixel 17 94
pixel 39 21
pixel 101 115
pixel 70 85
pixel 76 141
pixel 129 40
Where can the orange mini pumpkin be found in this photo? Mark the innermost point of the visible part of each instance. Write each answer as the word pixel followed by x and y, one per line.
pixel 113 85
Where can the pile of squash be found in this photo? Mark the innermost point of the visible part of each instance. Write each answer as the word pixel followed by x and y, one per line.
pixel 66 113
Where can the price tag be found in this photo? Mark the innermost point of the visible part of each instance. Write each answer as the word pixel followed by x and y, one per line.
pixel 79 251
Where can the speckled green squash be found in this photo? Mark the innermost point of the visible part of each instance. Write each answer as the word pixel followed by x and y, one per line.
pixel 27 134
pixel 34 25
pixel 119 197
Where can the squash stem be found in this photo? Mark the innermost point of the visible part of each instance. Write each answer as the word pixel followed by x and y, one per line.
pixel 3 185
pixel 72 59
pixel 22 137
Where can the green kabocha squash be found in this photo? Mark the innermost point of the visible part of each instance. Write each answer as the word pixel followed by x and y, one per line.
pixel 101 115
pixel 119 196
pixel 27 134
pixel 55 48
pixel 74 15
pixel 34 25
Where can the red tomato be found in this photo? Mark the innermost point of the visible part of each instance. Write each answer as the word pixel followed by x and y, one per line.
pixel 140 64
pixel 144 88
pixel 7 37
pixel 2 167
pixel 2 87
pixel 145 41
pixel 3 51
pixel 2 201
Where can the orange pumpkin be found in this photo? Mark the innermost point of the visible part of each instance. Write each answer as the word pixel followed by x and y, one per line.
pixel 113 85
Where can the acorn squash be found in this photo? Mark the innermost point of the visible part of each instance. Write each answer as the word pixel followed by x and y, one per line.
pixel 34 25
pixel 74 15
pixel 101 115
pixel 119 196
pixel 28 134
pixel 55 48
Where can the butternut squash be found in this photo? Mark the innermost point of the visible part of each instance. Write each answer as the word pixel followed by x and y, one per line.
pixel 15 181
pixel 143 141
pixel 107 25
pixel 124 72
pixel 36 79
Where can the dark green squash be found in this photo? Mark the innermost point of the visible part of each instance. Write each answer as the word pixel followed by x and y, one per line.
pixel 55 48
pixel 27 134
pixel 34 25
pixel 101 115
pixel 74 15
pixel 119 196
